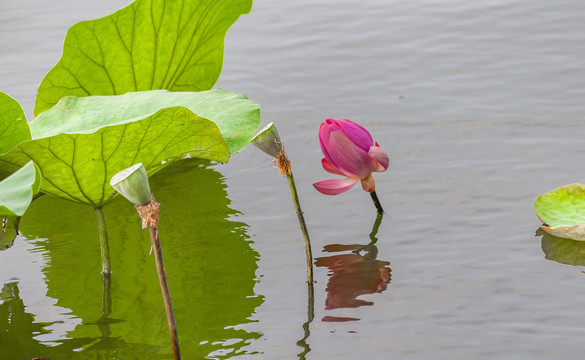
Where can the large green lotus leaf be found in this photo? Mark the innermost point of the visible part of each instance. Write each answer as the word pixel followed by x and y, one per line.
pixel 77 157
pixel 150 44
pixel 563 250
pixel 78 166
pixel 236 116
pixel 17 190
pixel 564 206
pixel 13 126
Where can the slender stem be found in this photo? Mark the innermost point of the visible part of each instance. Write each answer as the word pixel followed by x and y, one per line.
pixel 310 316
pixel 104 243
pixel 164 286
pixel 377 202
pixel 308 253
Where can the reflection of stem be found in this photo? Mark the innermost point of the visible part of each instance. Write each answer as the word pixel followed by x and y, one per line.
pixel 293 192
pixel 103 323
pixel 374 232
pixel 377 202
pixel 310 316
pixel 149 214
pixel 104 244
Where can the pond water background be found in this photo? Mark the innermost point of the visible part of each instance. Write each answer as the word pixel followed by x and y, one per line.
pixel 480 107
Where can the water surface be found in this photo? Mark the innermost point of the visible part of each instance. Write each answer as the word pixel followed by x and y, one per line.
pixel 479 105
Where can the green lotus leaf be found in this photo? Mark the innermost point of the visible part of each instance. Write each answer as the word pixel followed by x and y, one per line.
pixel 563 250
pixel 575 232
pixel 236 116
pixel 82 142
pixel 17 190
pixel 150 44
pixel 563 211
pixel 13 126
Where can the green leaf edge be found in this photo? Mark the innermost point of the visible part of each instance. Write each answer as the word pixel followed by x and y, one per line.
pixel 21 180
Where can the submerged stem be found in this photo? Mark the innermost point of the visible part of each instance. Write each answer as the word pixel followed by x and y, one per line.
pixel 104 243
pixel 377 202
pixel 297 204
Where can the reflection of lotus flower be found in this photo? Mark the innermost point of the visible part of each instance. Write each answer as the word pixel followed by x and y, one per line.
pixel 349 151
pixel 352 275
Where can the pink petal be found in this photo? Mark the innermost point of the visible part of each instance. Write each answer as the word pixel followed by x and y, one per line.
pixel 335 186
pixel 329 167
pixel 348 157
pixel 368 184
pixel 325 130
pixel 380 156
pixel 357 133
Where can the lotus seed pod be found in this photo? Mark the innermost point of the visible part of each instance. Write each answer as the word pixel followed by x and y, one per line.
pixel 132 183
pixel 268 140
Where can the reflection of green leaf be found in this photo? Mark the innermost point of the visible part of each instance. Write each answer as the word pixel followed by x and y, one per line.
pixel 209 262
pixel 150 44
pixel 17 190
pixel 9 231
pixel 564 251
pixel 563 211
pixel 20 331
pixel 13 125
pixel 80 143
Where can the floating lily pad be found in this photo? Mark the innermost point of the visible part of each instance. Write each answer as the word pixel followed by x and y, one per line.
pixel 82 142
pixel 150 44
pixel 563 211
pixel 17 190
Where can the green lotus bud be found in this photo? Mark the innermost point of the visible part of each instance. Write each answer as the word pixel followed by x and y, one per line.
pixel 268 140
pixel 132 183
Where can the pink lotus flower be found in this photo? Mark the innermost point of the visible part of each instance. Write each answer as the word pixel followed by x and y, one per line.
pixel 349 151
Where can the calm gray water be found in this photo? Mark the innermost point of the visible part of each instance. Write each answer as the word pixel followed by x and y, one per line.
pixel 480 107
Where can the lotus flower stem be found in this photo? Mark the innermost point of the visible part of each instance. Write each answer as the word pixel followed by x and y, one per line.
pixel 377 202
pixel 297 204
pixel 104 243
pixel 149 214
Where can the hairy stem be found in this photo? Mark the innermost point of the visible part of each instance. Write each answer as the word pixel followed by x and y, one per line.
pixel 297 204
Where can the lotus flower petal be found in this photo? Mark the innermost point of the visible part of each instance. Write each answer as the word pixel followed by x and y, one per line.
pixel 348 157
pixel 378 154
pixel 357 133
pixel 331 168
pixel 335 186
